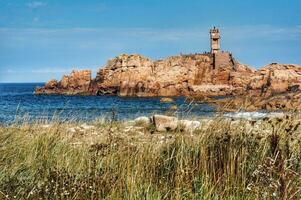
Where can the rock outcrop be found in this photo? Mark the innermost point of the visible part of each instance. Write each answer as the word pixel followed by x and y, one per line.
pixel 134 75
pixel 276 78
pixel 274 87
pixel 194 75
pixel 288 101
pixel 78 82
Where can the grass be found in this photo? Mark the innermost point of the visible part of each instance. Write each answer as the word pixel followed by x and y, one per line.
pixel 225 159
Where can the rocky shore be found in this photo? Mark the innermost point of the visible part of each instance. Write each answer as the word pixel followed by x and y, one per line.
pixel 135 75
pixel 195 75
pixel 287 101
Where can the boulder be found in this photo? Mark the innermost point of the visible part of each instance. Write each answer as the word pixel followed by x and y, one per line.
pixel 188 125
pixel 143 119
pixel 165 123
pixel 166 100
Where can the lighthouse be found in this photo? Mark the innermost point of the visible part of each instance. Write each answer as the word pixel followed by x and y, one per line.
pixel 214 40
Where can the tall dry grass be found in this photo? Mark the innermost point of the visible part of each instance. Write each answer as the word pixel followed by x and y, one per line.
pixel 224 160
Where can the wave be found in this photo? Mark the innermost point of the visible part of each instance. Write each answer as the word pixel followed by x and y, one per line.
pixel 253 115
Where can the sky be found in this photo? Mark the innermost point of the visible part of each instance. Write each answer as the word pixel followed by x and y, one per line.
pixel 44 39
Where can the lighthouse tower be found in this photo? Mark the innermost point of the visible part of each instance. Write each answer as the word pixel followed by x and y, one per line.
pixel 214 40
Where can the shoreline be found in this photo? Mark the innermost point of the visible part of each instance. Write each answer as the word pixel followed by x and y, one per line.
pixel 114 160
pixel 238 115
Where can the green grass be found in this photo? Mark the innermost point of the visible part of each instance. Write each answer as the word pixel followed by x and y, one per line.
pixel 223 160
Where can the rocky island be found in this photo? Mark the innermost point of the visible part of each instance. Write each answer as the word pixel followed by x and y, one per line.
pixel 216 73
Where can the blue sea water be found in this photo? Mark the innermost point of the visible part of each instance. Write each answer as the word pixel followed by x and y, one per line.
pixel 18 101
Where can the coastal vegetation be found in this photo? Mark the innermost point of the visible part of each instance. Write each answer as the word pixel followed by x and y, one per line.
pixel 108 159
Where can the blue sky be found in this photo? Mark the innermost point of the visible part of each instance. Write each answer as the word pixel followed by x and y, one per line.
pixel 44 39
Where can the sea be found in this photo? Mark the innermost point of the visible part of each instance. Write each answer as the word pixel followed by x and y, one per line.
pixel 18 103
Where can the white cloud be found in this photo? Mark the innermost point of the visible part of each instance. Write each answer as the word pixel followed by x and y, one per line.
pixel 52 70
pixel 77 46
pixel 45 70
pixel 36 4
pixel 235 32
pixel 118 33
pixel 262 31
pixel 9 71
